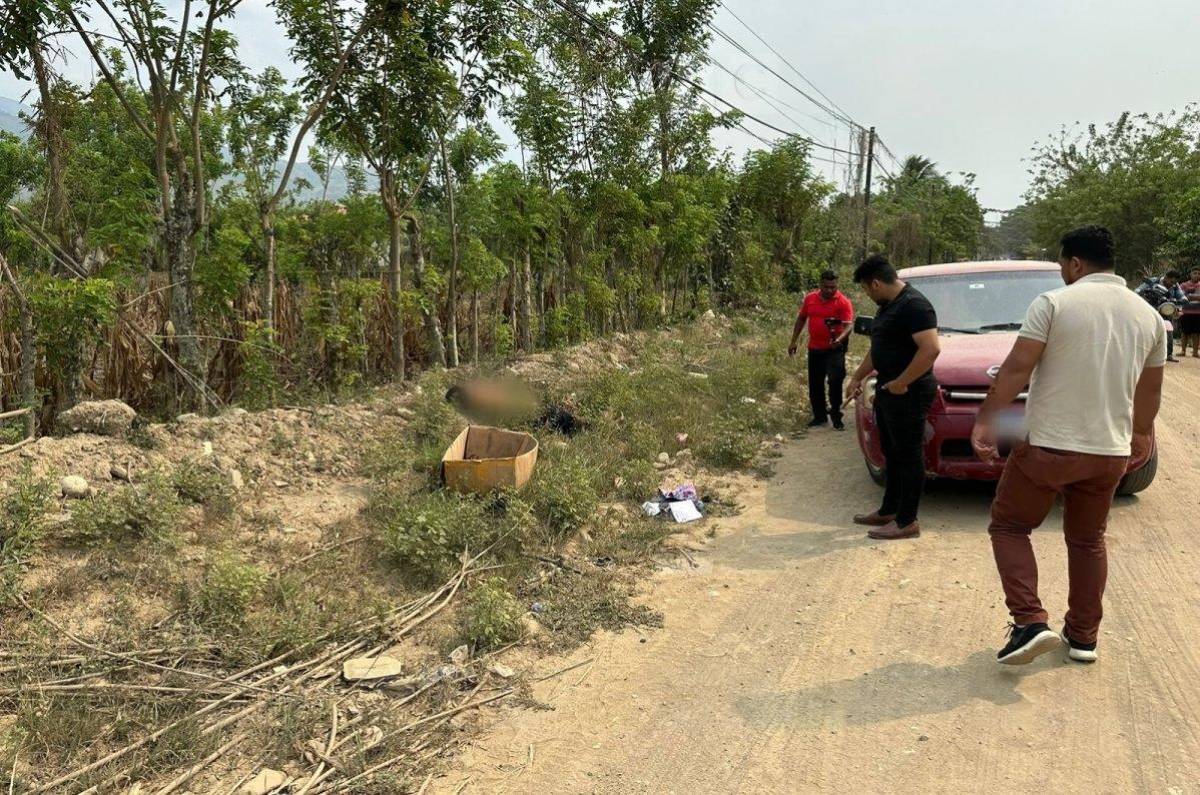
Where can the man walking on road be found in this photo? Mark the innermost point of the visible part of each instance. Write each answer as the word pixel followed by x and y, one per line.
pixel 904 346
pixel 829 316
pixel 1093 354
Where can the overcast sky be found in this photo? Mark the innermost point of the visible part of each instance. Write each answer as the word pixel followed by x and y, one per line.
pixel 971 84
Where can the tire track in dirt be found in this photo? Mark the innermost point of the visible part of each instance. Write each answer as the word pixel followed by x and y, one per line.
pixel 802 657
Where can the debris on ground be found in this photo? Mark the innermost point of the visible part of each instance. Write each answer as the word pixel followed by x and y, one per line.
pixel 482 459
pixel 267 780
pixel 681 503
pixel 367 669
pixel 502 671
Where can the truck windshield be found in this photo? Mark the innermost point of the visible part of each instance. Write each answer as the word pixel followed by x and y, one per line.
pixel 985 302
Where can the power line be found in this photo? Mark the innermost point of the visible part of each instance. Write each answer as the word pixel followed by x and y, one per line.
pixel 763 95
pixel 767 141
pixel 591 22
pixel 888 152
pixel 742 49
pixel 841 114
pixel 882 167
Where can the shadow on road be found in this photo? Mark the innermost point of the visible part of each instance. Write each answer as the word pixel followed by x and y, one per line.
pixel 899 690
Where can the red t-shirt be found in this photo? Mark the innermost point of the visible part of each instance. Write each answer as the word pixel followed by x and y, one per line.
pixel 816 310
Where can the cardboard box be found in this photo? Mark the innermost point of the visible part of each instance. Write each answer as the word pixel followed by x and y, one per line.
pixel 483 459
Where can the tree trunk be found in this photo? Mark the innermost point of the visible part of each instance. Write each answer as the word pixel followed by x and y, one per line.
pixel 526 310
pixel 28 382
pixel 177 238
pixel 452 285
pixel 433 328
pixel 69 384
pixel 512 298
pixel 395 273
pixel 59 208
pixel 475 326
pixel 268 228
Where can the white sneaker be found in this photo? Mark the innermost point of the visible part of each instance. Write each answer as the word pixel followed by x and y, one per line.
pixel 1079 652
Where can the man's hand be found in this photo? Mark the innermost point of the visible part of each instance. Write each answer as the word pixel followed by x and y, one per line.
pixel 983 441
pixel 895 388
pixel 854 390
pixel 792 349
pixel 1143 446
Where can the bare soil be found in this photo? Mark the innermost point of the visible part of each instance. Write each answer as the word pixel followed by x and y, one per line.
pixel 801 656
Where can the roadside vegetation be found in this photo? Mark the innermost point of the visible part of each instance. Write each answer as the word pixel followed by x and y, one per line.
pixel 164 608
pixel 239 267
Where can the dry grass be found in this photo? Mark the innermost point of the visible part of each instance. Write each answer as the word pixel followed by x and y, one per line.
pixel 198 584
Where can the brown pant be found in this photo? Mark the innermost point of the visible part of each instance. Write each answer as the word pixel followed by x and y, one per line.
pixel 1032 478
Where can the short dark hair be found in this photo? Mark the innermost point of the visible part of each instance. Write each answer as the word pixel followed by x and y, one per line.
pixel 1174 274
pixel 828 276
pixel 875 267
pixel 1092 244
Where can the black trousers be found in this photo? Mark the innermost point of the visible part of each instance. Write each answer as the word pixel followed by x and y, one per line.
pixel 826 367
pixel 901 423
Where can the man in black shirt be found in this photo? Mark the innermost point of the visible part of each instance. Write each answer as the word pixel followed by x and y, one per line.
pixel 904 345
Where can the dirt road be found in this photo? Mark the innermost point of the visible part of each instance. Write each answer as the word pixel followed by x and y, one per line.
pixel 801 656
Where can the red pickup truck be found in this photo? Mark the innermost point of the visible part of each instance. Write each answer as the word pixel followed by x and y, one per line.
pixel 980 306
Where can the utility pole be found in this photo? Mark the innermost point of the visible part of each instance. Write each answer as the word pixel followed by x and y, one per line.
pixel 866 240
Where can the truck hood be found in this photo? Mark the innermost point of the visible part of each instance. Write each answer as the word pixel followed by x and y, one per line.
pixel 965 358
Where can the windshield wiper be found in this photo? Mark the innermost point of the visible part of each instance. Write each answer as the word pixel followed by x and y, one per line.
pixel 953 330
pixel 1001 327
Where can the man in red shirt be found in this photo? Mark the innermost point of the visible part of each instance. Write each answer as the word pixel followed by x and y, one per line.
pixel 829 316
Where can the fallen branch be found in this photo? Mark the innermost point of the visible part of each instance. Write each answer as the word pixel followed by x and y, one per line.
pixel 329 745
pixel 126 657
pixel 444 714
pixel 191 772
pixel 568 669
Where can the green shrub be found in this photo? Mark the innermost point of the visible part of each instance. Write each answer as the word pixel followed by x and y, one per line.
pixel 635 479
pixel 729 444
pixel 22 523
pixel 492 616
pixel 230 584
pixel 148 511
pixel 201 483
pixel 503 340
pixel 260 379
pixel 564 494
pixel 426 533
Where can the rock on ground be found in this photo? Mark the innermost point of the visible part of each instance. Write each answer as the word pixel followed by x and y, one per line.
pixel 74 487
pixel 266 781
pixel 102 417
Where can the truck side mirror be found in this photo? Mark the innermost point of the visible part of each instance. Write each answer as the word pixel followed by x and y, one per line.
pixel 863 325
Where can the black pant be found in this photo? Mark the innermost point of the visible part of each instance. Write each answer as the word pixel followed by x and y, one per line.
pixel 1171 345
pixel 826 366
pixel 901 423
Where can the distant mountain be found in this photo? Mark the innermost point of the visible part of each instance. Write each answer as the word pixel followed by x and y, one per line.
pixel 9 121
pixel 339 186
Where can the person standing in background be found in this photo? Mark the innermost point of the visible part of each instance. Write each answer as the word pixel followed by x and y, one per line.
pixel 829 316
pixel 904 346
pixel 1189 321
pixel 1166 290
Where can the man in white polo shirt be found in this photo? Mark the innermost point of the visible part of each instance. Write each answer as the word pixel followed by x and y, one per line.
pixel 1093 354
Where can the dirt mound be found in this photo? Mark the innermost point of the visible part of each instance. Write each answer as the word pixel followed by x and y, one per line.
pixel 103 417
